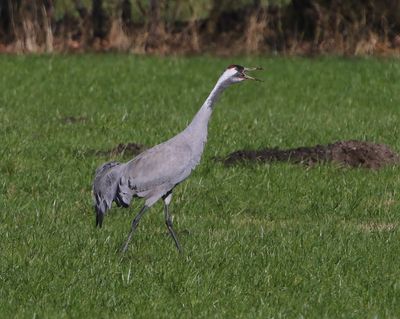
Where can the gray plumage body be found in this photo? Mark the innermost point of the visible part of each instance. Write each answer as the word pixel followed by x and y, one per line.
pixel 153 174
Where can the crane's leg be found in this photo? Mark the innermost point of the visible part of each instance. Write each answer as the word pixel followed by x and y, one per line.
pixel 167 199
pixel 135 222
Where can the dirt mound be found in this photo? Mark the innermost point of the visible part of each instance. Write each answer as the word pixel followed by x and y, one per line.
pixel 364 154
pixel 344 153
pixel 129 149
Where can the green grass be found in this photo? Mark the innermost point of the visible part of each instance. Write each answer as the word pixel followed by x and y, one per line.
pixel 260 241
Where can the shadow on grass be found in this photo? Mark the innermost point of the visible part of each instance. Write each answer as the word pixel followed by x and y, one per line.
pixel 73 119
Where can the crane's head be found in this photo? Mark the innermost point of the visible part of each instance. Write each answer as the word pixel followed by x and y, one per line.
pixel 237 73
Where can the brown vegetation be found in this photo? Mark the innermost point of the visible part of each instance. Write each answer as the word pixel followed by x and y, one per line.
pixel 225 27
pixel 129 149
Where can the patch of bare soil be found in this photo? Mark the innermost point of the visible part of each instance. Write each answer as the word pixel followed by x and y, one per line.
pixel 129 149
pixel 345 153
pixel 73 119
pixel 377 227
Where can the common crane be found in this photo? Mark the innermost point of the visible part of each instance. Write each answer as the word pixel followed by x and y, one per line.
pixel 153 174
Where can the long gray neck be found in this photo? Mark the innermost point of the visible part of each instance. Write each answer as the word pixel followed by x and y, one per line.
pixel 199 124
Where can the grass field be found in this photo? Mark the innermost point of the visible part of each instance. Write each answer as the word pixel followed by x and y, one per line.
pixel 260 241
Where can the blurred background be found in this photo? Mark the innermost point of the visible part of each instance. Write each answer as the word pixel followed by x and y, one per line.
pixel 222 27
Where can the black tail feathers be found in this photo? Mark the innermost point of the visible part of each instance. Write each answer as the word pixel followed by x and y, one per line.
pixel 99 217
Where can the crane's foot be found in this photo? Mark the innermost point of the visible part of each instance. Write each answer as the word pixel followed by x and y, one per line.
pixel 135 222
pixel 168 222
pixel 125 246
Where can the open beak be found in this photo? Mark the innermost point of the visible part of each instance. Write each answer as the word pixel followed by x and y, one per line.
pixel 248 77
